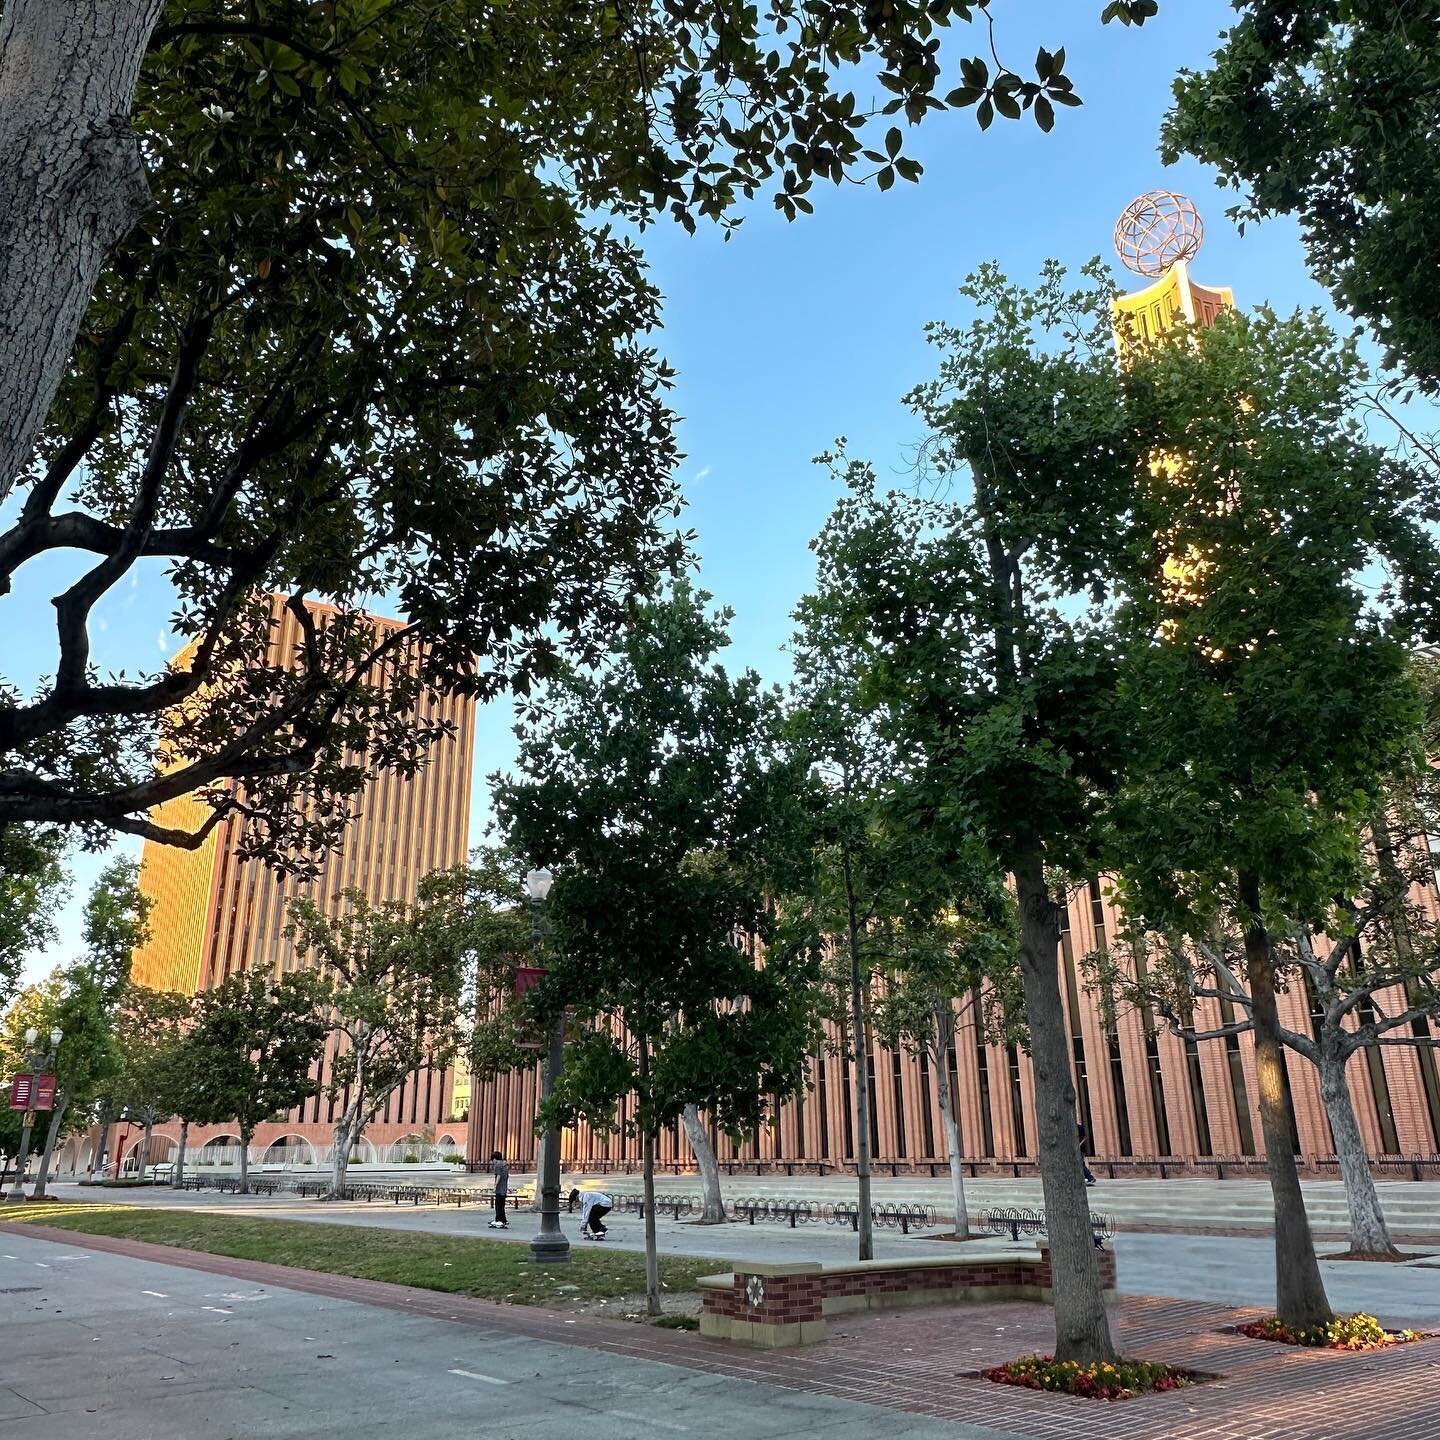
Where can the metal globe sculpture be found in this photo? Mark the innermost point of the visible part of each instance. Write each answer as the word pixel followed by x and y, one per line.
pixel 1157 230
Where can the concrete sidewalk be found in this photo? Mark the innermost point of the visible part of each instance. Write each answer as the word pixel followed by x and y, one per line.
pixel 135 1350
pixel 117 1337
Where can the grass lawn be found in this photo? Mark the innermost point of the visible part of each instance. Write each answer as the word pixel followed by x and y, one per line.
pixel 486 1269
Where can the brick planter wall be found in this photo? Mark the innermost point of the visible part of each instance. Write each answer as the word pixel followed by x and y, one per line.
pixel 777 1305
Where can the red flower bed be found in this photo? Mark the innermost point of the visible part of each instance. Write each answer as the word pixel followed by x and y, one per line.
pixel 1109 1380
pixel 1345 1332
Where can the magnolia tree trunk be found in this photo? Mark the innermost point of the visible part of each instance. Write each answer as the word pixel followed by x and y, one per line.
pixel 944 1036
pixel 1082 1328
pixel 177 1175
pixel 1369 1234
pixel 245 1162
pixel 71 186
pixel 652 1259
pixel 1300 1293
pixel 713 1212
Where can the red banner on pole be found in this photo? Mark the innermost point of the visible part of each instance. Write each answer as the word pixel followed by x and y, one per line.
pixel 42 1086
pixel 20 1092
pixel 527 977
pixel 44 1092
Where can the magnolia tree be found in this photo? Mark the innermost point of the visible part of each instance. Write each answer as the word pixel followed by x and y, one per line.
pixel 864 869
pixel 1371 979
pixel 1327 111
pixel 338 300
pixel 151 1044
pixel 659 792
pixel 565 113
pixel 33 883
pixel 395 974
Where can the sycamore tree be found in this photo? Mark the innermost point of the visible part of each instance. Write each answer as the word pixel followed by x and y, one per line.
pixel 258 1039
pixel 1371 980
pixel 396 975
pixel 1270 617
pixel 377 335
pixel 991 659
pixel 1327 111
pixel 662 796
pixel 942 965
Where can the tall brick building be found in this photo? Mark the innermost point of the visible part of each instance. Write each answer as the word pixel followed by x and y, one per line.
pixel 1143 1094
pixel 215 914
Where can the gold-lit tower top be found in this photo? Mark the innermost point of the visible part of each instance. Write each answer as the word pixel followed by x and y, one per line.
pixel 1158 235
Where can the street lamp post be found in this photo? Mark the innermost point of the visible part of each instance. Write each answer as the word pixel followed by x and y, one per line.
pixel 549 1247
pixel 38 1064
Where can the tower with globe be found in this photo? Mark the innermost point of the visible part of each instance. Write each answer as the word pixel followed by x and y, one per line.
pixel 1157 235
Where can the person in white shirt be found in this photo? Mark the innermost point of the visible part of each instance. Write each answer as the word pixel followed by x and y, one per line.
pixel 595 1205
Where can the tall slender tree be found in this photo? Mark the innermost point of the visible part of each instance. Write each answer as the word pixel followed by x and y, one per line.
pixel 659 792
pixel 941 966
pixel 991 658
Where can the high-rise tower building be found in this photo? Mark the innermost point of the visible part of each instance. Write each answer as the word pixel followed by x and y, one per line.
pixel 216 914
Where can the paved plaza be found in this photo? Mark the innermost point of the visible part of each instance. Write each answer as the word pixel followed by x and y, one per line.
pixel 115 1337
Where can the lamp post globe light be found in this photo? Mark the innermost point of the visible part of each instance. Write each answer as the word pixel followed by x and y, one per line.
pixel 38 1063
pixel 549 1247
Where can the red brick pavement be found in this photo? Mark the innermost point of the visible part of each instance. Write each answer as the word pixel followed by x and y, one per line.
pixel 923 1361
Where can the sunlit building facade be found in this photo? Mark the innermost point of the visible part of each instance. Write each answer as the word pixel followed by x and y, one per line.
pixel 216 914
pixel 1147 1099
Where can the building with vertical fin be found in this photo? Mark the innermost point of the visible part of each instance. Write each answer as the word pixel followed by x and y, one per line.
pixel 215 914
pixel 1148 1099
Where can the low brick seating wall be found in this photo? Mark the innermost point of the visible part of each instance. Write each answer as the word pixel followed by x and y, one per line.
pixel 784 1304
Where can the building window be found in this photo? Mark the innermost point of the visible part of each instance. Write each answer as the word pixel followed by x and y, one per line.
pixel 927 1119
pixel 1017 1102
pixel 897 1091
pixel 1197 1096
pixel 1117 1084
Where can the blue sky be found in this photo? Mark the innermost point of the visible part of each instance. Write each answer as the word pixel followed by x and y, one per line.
pixel 791 334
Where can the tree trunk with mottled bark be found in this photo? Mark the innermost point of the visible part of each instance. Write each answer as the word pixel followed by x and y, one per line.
pixel 145 1147
pixel 1082 1327
pixel 347 1136
pixel 245 1162
pixel 177 1175
pixel 713 1209
pixel 1300 1293
pixel 72 184
pixel 1369 1234
pixel 52 1134
pixel 944 1040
